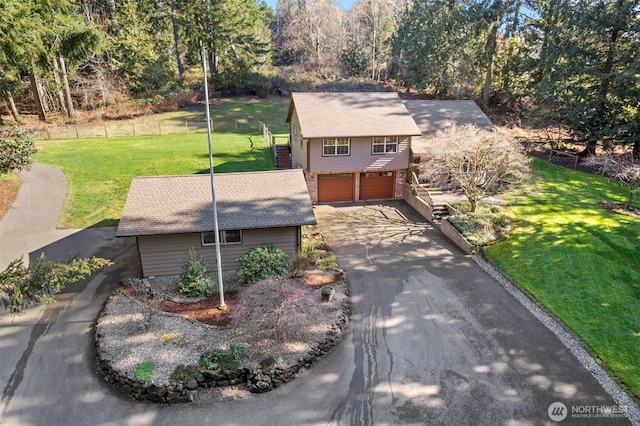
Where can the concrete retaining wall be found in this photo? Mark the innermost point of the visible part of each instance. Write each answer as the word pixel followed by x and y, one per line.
pixel 445 226
pixel 418 203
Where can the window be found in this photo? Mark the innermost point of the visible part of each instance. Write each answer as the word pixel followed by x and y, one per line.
pixel 295 130
pixel 335 146
pixel 384 145
pixel 226 237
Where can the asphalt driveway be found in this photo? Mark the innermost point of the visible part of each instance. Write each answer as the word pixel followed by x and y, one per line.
pixel 432 339
pixel 436 339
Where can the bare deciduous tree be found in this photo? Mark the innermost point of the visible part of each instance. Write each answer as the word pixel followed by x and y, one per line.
pixel 372 24
pixel 314 33
pixel 624 168
pixel 480 161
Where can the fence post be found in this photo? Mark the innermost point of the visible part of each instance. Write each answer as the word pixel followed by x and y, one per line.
pixel 133 127
pixel 77 137
pixel 186 126
pixel 159 129
pixel 48 134
pixel 105 131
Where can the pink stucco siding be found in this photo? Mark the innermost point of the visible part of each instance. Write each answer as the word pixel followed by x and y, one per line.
pixel 359 158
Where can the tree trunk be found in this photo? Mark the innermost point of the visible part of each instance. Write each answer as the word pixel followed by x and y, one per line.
pixel 37 95
pixel 12 106
pixel 632 193
pixel 56 78
pixel 176 40
pixel 605 83
pixel 115 26
pixel 492 42
pixel 67 91
pixel 473 203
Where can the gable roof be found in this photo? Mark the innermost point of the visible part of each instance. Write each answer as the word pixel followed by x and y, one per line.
pixel 182 204
pixel 351 114
pixel 434 116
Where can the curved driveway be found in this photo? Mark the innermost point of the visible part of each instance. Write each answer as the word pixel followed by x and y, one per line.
pixel 432 340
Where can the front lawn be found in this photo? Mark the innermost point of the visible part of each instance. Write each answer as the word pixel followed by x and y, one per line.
pixel 580 261
pixel 99 171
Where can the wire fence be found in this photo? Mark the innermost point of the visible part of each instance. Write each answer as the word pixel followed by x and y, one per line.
pixel 142 128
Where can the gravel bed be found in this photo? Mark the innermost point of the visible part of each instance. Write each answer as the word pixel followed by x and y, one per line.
pixel 132 332
pixel 575 346
pixel 138 333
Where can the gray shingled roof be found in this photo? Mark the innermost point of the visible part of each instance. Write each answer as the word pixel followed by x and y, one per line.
pixel 182 204
pixel 434 116
pixel 351 114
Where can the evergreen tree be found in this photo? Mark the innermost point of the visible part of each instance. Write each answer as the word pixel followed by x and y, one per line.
pixel 589 73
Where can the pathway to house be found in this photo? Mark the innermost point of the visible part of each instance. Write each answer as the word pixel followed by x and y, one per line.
pixel 433 339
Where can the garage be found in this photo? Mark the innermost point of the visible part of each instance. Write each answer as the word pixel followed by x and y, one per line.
pixel 377 185
pixel 335 187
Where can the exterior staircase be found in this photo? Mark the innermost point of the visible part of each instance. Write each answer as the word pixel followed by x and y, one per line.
pixel 431 193
pixel 438 208
pixel 283 157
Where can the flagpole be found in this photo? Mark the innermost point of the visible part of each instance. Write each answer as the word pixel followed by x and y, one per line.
pixel 213 191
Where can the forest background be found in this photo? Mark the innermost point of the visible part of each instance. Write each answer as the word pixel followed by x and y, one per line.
pixel 575 63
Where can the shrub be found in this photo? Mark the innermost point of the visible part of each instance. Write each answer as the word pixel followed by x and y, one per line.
pixel 486 224
pixel 192 281
pixel 220 360
pixel 184 373
pixel 281 309
pixel 145 370
pixel 262 263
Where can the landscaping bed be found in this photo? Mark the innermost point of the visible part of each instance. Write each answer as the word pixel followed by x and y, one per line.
pixel 144 330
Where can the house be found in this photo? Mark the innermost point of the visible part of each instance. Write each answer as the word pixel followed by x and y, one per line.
pixel 434 116
pixel 351 146
pixel 168 215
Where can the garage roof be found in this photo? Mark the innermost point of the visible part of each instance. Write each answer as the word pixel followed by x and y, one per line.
pixel 182 204
pixel 351 114
pixel 434 116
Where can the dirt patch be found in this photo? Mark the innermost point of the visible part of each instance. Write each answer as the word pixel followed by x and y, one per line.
pixel 9 187
pixel 321 278
pixel 620 209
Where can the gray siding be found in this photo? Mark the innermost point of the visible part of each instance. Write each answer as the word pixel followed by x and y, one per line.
pixel 165 254
pixel 298 147
pixel 360 157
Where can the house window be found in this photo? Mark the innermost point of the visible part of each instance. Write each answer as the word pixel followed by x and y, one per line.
pixel 295 130
pixel 384 145
pixel 335 146
pixel 226 237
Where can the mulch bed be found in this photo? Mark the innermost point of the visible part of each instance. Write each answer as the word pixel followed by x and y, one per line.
pixel 8 192
pixel 206 311
pixel 620 209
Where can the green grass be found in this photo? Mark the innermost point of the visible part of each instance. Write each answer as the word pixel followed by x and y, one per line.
pixel 99 171
pixel 581 262
pixel 232 115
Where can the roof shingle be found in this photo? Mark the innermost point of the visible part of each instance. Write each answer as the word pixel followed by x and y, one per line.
pixel 183 204
pixel 434 116
pixel 351 114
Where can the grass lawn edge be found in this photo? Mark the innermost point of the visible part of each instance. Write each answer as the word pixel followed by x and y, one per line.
pixel 619 391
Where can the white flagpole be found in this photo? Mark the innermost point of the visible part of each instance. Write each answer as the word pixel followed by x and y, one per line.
pixel 213 191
